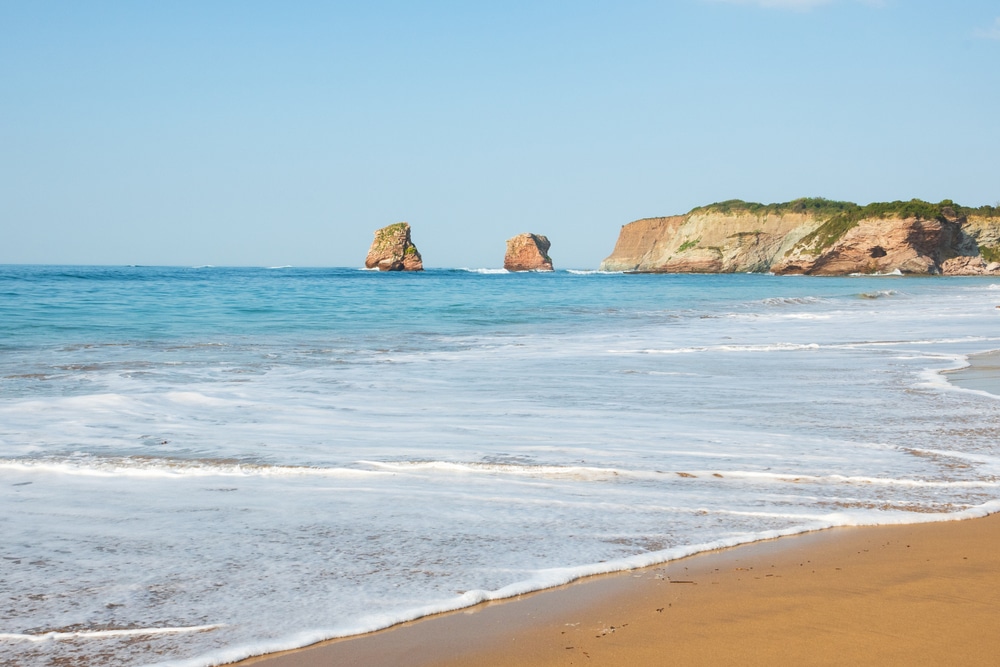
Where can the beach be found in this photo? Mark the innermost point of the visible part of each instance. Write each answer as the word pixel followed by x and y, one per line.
pixel 498 334
pixel 915 594
pixel 911 594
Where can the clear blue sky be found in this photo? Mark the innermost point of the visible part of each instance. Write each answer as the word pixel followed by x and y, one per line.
pixel 272 133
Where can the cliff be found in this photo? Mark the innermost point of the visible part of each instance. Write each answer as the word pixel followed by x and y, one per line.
pixel 392 250
pixel 528 252
pixel 814 236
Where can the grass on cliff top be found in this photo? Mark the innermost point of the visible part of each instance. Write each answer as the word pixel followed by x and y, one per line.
pixel 815 205
pixel 393 228
pixel 388 234
pixel 828 208
pixel 842 216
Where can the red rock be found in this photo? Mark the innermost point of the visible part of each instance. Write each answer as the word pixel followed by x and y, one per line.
pixel 969 266
pixel 528 252
pixel 392 250
pixel 910 245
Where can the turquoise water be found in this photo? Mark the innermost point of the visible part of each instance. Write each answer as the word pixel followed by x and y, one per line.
pixel 350 449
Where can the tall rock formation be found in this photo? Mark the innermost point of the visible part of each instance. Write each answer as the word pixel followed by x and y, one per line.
pixel 528 252
pixel 814 236
pixel 392 250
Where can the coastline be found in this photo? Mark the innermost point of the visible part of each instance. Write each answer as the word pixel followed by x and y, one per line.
pixel 915 593
pixel 982 374
pixel 924 593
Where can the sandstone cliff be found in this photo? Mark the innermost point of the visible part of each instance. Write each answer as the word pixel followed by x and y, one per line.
pixel 814 236
pixel 528 252
pixel 392 250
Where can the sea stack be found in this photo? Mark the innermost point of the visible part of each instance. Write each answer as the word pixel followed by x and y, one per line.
pixel 392 250
pixel 528 252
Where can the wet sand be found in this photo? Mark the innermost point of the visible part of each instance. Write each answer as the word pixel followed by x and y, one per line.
pixel 924 594
pixel 982 373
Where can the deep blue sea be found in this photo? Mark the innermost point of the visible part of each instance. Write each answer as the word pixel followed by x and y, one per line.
pixel 201 464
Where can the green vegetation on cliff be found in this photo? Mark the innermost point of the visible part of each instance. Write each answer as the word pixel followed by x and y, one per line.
pixel 984 211
pixel 395 228
pixel 828 208
pixel 840 216
pixel 816 206
pixel 389 235
pixel 833 229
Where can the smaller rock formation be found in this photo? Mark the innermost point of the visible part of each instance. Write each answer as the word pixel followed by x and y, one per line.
pixel 528 252
pixel 969 266
pixel 392 250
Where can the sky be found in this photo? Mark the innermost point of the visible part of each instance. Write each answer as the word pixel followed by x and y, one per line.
pixel 250 133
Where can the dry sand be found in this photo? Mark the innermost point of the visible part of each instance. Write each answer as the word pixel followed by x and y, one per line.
pixel 925 594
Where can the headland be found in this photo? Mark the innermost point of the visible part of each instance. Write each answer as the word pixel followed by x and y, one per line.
pixel 814 237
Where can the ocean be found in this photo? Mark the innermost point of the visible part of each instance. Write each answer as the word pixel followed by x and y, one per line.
pixel 202 464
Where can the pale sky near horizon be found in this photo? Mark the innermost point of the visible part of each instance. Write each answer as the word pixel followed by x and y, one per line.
pixel 262 134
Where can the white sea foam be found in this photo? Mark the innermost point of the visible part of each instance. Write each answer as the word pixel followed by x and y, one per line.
pixel 103 634
pixel 777 347
pixel 878 294
pixel 876 274
pixel 196 398
pixel 843 479
pixel 807 316
pixel 555 472
pixel 790 300
pixel 168 468
pixel 922 342
pixel 487 272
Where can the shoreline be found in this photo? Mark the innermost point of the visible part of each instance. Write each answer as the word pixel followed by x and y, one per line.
pixel 982 374
pixel 921 593
pixel 862 593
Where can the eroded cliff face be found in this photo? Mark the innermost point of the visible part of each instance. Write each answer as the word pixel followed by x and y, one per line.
pixel 706 242
pixel 844 240
pixel 910 245
pixel 528 252
pixel 392 250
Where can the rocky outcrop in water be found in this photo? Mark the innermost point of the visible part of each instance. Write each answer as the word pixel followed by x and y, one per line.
pixel 816 237
pixel 528 252
pixel 392 250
